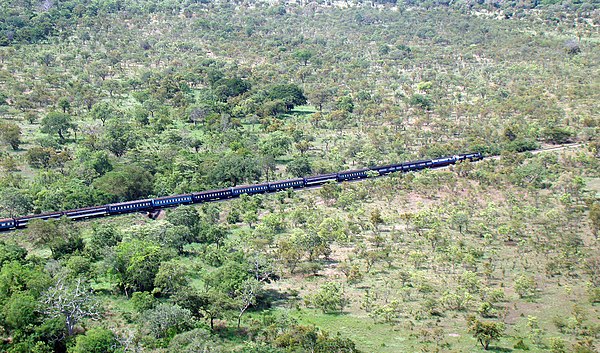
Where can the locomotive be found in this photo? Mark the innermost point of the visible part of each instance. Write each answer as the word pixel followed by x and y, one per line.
pixel 148 205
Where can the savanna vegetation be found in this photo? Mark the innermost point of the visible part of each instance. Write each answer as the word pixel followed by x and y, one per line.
pixel 111 100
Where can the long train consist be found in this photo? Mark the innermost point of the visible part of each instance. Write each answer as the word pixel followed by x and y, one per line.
pixel 149 205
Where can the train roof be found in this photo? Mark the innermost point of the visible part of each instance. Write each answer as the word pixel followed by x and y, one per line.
pixel 172 197
pixel 355 170
pixel 416 162
pixel 286 180
pixel 250 185
pixel 46 214
pixel 322 175
pixel 130 202
pixel 86 208
pixel 210 191
pixel 6 219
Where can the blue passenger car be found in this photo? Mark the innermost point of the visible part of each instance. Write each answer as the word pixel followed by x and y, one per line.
pixel 353 174
pixel 250 189
pixel 442 162
pixel 416 165
pixel 130 206
pixel 286 184
pixel 212 195
pixel 387 169
pixel 82 213
pixel 320 179
pixel 6 224
pixel 22 221
pixel 169 201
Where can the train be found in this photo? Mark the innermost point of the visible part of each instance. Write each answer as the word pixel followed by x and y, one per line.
pixel 152 205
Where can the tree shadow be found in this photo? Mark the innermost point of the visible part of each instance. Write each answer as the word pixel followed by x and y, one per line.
pixel 300 113
pixel 338 313
pixel 499 349
pixel 272 297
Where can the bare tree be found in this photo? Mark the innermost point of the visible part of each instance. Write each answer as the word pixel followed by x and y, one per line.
pixel 247 297
pixel 73 300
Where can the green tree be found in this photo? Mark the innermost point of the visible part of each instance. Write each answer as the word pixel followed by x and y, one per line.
pixel 119 136
pixel 103 237
pixel 104 111
pixel 345 103
pixel 485 331
pixel 303 55
pixel 187 216
pixel 231 87
pixel 11 252
pixel 525 286
pixel 16 277
pixel 20 310
pixel 167 320
pixel 40 157
pixel 170 278
pixel 421 101
pixel 235 169
pixel 275 144
pixel 291 95
pixel 299 167
pixel 11 134
pixel 142 301
pixel 136 264
pixel 59 235
pixel 14 202
pixel 330 191
pixel 319 96
pixel 64 104
pixel 125 183
pixel 594 216
pixel 329 298
pixel 57 123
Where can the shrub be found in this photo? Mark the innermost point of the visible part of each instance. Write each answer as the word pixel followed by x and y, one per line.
pixel 96 340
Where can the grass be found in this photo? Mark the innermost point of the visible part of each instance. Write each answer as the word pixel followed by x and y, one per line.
pixel 593 184
pixel 368 336
pixel 404 337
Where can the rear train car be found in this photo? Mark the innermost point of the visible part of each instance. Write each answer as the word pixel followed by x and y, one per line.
pixel 7 224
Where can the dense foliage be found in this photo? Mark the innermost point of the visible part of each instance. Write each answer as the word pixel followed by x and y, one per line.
pixel 104 101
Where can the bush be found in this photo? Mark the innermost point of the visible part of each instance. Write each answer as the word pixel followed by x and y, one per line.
pixel 96 340
pixel 522 145
pixel 525 286
pixel 20 310
pixel 198 340
pixel 594 294
pixel 557 135
pixel 142 301
pixel 329 298
pixel 167 320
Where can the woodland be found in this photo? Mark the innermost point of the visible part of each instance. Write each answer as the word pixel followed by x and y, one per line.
pixel 105 101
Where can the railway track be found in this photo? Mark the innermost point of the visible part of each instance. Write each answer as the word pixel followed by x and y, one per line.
pixel 152 208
